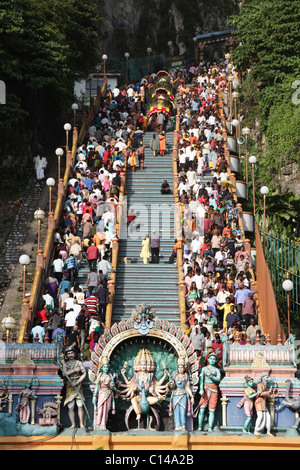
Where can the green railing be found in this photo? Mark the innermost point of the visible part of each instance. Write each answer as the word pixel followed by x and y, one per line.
pixel 283 258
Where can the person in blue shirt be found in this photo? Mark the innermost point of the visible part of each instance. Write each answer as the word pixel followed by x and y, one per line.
pixel 71 266
pixel 241 294
pixel 65 284
pixel 38 330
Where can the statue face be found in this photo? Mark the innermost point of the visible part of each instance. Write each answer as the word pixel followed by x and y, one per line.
pixel 250 383
pixel 212 360
pixel 180 369
pixel 143 367
pixel 105 368
pixel 71 354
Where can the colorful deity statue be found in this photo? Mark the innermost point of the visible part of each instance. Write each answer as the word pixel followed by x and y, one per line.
pixel 143 389
pixel 248 403
pixel 23 406
pixel 75 374
pixel 209 391
pixel 182 399
pixel 103 397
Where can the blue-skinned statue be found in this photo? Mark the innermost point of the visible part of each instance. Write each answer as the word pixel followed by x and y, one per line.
pixel 182 399
pixel 209 391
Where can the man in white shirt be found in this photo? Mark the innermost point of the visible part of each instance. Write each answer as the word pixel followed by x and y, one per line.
pixel 68 304
pixel 70 321
pixel 58 266
pixel 182 159
pixel 191 177
pixel 183 186
pixel 191 154
pixel 104 266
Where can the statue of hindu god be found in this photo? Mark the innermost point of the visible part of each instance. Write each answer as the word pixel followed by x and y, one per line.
pixel 143 389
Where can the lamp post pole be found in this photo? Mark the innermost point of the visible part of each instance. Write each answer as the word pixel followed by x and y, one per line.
pixel 75 108
pixel 83 92
pixel 246 132
pixel 170 44
pixel 127 55
pixel 50 183
pixel 252 161
pixel 67 128
pixel 24 260
pixel 287 285
pixel 264 190
pixel 104 58
pixel 59 152
pixel 39 215
pixel 149 50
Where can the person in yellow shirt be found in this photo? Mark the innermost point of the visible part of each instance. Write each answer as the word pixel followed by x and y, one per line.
pixel 232 317
pixel 226 310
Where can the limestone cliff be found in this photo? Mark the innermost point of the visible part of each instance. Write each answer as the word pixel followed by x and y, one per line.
pixel 134 25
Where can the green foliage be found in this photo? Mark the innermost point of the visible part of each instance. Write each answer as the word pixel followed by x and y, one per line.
pixel 268 35
pixel 44 47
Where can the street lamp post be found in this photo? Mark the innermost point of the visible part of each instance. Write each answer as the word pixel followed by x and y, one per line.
pixel 288 286
pixel 104 58
pixel 39 215
pixel 24 260
pixel 230 80
pixel 170 44
pixel 126 55
pixel 98 68
pixel 90 80
pixel 235 96
pixel 67 128
pixel 59 152
pixel 83 92
pixel 252 161
pixel 149 50
pixel 50 183
pixel 74 108
pixel 264 190
pixel 246 132
pixel 195 48
pixel 8 323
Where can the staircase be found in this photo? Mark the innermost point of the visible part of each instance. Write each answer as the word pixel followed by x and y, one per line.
pixel 153 284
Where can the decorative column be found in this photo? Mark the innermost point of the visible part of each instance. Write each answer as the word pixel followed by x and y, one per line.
pixel 224 403
pixel 58 400
pixel 32 406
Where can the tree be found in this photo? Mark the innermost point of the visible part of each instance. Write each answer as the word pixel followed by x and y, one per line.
pixel 44 47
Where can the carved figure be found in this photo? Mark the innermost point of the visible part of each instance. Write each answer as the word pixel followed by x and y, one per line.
pixel 143 390
pixel 3 398
pixel 182 398
pixel 23 406
pixel 263 415
pixel 103 397
pixel 75 373
pixel 248 403
pixel 49 413
pixel 210 377
pixel 293 403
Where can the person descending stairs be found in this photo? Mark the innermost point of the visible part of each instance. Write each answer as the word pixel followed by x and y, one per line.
pixel 153 284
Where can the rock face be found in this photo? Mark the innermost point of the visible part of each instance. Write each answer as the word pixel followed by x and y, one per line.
pixel 134 25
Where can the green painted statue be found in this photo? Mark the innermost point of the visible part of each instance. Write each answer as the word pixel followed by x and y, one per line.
pixel 209 392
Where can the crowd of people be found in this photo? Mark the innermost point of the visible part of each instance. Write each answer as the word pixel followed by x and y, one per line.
pixel 216 267
pixel 72 310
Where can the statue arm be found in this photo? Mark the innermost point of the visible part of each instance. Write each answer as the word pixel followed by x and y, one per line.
pixel 124 377
pixel 161 381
